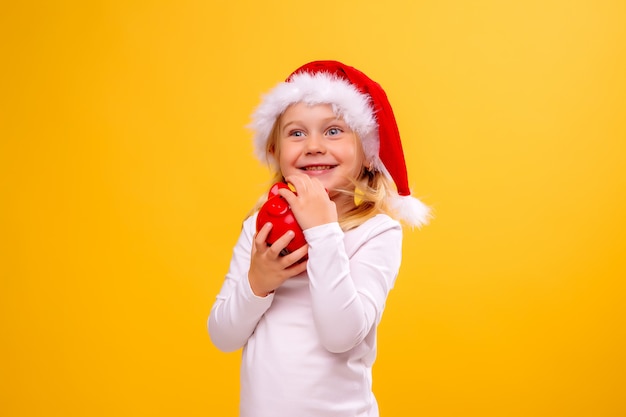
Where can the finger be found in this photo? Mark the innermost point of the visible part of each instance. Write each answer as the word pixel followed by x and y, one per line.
pixel 317 185
pixel 282 242
pixel 305 184
pixel 297 255
pixel 299 181
pixel 261 237
pixel 288 195
pixel 297 268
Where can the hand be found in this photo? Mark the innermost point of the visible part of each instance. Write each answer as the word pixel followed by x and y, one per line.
pixel 311 206
pixel 268 270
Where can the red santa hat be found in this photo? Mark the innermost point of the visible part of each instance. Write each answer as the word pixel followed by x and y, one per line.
pixel 363 105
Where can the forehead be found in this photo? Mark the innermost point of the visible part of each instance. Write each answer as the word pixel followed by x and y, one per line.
pixel 305 111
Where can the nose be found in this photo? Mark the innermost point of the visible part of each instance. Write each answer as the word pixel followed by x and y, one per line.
pixel 315 144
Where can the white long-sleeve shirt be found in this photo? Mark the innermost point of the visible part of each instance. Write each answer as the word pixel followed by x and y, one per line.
pixel 309 347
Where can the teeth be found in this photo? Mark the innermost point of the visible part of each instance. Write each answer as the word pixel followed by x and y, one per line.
pixel 317 168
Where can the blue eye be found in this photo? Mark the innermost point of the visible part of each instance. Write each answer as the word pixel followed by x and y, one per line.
pixel 296 133
pixel 334 131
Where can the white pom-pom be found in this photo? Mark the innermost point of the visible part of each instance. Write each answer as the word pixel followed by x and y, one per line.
pixel 410 210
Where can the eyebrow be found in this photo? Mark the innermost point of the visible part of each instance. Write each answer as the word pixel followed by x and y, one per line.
pixel 323 121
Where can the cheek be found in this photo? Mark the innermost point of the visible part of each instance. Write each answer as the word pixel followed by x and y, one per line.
pixel 287 156
pixel 357 158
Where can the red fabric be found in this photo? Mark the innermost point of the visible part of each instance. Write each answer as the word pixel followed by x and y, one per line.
pixel 390 152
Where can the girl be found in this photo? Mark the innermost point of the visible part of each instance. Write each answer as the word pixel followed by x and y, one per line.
pixel 307 320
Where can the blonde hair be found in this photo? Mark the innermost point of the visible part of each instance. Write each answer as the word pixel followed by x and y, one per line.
pixel 370 190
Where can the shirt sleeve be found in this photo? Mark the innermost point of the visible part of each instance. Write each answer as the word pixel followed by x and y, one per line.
pixel 349 291
pixel 237 310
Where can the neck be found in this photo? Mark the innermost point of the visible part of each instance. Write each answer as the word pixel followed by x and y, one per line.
pixel 344 204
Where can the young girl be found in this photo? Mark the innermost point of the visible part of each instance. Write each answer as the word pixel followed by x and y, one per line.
pixel 307 320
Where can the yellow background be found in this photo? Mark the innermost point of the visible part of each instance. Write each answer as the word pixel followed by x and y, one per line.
pixel 126 170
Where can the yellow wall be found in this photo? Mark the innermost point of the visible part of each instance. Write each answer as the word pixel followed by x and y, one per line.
pixel 125 171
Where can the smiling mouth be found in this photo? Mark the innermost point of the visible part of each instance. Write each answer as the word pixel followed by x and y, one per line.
pixel 317 167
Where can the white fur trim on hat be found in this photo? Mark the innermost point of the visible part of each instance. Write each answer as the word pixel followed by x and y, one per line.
pixel 318 88
pixel 410 210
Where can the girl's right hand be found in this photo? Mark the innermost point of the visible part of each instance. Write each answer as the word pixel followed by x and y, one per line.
pixel 268 270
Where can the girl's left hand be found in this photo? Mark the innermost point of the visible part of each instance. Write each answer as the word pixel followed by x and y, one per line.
pixel 311 206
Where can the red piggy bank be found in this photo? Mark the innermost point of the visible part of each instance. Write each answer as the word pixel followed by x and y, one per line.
pixel 277 211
